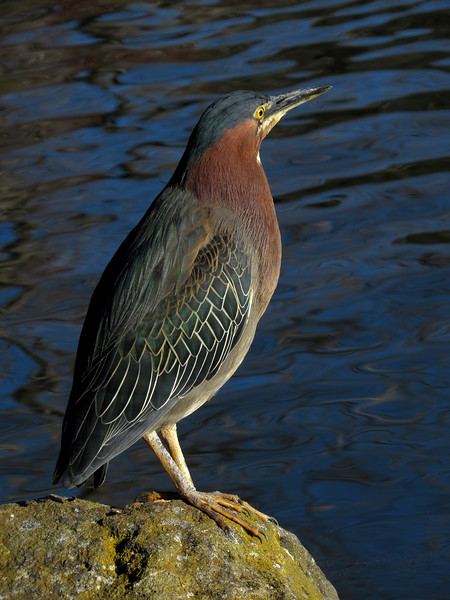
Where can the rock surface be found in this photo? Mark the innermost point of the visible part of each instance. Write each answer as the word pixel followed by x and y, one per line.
pixel 55 548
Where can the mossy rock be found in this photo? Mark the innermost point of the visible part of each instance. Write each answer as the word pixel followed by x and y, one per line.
pixel 57 548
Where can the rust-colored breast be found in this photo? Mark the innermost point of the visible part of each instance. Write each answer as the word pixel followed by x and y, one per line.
pixel 229 179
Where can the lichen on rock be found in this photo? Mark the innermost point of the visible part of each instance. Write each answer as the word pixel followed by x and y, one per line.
pixel 57 548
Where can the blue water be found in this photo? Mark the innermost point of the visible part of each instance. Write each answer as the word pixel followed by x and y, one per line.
pixel 338 421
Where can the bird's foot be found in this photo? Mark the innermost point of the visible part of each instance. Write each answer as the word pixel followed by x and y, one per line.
pixel 153 497
pixel 217 505
pixel 235 500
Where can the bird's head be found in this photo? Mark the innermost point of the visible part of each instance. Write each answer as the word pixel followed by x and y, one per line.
pixel 245 116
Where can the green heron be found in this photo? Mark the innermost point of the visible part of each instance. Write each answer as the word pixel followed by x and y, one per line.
pixel 176 309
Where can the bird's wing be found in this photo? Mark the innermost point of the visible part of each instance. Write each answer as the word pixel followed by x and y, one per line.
pixel 160 355
pixel 183 342
pixel 153 261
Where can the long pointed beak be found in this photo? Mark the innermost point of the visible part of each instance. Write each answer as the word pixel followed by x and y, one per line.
pixel 280 105
pixel 285 102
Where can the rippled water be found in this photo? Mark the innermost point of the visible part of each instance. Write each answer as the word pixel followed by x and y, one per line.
pixel 338 421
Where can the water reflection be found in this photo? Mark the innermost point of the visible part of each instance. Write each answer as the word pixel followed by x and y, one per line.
pixel 341 404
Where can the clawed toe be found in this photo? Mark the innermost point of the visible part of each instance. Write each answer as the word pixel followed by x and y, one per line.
pixel 218 504
pixel 215 504
pixel 241 505
pixel 153 497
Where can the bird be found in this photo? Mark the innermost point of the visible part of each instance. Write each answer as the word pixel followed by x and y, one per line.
pixel 175 310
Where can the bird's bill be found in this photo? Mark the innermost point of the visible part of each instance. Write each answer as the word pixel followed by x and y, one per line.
pixel 280 105
pixel 284 102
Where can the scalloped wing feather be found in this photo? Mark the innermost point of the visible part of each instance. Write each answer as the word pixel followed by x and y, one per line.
pixel 161 358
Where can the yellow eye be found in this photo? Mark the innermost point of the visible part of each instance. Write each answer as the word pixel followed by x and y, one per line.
pixel 259 112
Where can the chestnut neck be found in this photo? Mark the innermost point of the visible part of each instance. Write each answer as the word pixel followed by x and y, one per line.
pixel 229 175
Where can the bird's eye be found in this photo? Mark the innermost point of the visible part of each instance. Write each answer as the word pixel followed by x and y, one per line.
pixel 259 112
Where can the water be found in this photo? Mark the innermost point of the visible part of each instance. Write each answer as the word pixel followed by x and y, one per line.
pixel 337 423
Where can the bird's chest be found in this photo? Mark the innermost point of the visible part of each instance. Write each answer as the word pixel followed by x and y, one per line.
pixel 267 271
pixel 232 188
pixel 254 229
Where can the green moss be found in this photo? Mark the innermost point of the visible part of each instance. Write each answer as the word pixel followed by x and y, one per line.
pixel 56 548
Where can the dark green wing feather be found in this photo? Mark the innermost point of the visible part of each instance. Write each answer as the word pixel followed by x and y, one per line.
pixel 155 353
pixel 154 260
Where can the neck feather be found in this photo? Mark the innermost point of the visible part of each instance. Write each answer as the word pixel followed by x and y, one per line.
pixel 229 176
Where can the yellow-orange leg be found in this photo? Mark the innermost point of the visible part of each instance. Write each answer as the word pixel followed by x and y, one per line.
pixel 170 436
pixel 214 504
